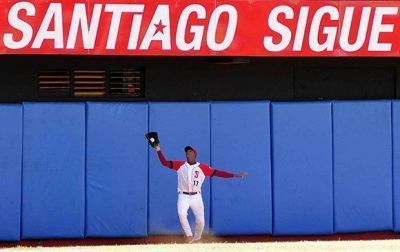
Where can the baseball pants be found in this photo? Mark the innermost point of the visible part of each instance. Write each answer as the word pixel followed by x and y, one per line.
pixel 195 202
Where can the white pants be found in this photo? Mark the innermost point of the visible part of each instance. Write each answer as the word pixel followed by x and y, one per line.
pixel 195 202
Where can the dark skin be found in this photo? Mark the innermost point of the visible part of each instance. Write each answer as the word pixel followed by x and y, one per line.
pixel 190 157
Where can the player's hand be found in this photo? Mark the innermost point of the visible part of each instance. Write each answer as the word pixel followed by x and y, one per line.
pixel 241 175
pixel 158 148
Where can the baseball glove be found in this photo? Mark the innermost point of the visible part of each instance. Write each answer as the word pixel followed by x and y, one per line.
pixel 152 137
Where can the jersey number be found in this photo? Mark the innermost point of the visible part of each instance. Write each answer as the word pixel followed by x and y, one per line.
pixel 195 183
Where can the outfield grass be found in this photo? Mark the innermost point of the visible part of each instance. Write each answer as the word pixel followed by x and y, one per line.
pixel 364 246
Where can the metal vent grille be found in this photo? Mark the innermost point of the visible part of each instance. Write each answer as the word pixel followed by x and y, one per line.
pixel 85 83
pixel 89 83
pixel 127 82
pixel 54 83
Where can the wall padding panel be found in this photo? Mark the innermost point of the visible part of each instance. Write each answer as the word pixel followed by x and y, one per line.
pixel 10 171
pixel 362 166
pixel 302 168
pixel 53 188
pixel 240 142
pixel 117 167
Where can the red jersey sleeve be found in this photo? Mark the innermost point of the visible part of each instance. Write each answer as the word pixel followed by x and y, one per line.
pixel 223 174
pixel 208 171
pixel 170 164
pixel 176 164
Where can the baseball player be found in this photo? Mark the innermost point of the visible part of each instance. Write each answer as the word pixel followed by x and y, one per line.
pixel 191 175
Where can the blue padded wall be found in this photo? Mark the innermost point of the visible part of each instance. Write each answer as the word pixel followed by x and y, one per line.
pixel 362 166
pixel 178 125
pixel 10 171
pixel 396 163
pixel 53 186
pixel 240 141
pixel 117 167
pixel 49 140
pixel 302 168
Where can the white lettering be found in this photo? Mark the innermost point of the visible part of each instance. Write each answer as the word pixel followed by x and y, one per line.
pixel 79 18
pixel 19 24
pixel 53 12
pixel 329 31
pixel 283 30
pixel 230 31
pixel 195 29
pixel 378 28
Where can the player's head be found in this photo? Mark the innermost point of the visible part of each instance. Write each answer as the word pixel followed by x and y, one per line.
pixel 191 154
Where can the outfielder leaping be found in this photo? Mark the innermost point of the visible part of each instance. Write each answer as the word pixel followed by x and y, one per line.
pixel 191 175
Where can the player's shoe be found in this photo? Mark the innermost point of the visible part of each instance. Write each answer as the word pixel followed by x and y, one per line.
pixel 188 239
pixel 195 240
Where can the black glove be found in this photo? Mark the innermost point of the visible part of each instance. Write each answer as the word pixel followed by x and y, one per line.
pixel 153 139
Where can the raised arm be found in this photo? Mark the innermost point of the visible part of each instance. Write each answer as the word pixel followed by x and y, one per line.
pixel 163 161
pixel 170 164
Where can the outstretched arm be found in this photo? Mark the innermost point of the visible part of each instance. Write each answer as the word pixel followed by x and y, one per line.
pixel 208 171
pixel 224 174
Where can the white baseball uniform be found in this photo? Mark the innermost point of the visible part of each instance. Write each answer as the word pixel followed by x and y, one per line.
pixel 190 180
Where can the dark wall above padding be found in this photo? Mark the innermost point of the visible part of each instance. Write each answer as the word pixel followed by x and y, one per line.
pixel 206 79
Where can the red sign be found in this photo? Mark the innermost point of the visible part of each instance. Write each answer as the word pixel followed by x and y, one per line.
pixel 204 28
